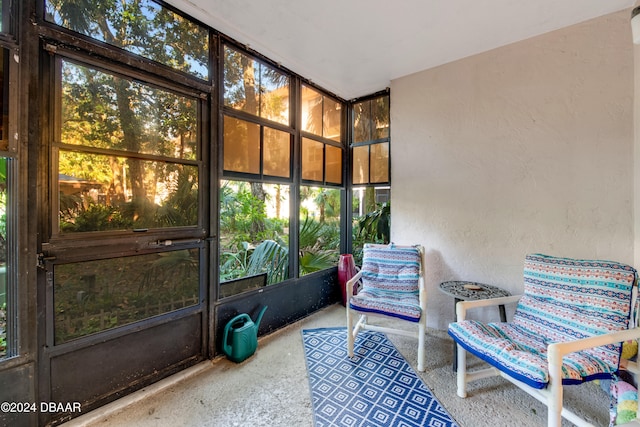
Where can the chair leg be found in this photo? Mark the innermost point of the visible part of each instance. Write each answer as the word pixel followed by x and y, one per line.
pixel 554 405
pixel 421 344
pixel 462 372
pixel 554 399
pixel 350 338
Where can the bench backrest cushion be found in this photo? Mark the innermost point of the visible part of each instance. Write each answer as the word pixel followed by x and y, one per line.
pixel 566 299
pixel 391 268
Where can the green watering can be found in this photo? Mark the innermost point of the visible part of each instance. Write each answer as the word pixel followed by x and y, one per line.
pixel 240 338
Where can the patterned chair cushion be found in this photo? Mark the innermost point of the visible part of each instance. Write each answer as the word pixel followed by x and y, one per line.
pixel 564 299
pixel 390 282
pixel 402 306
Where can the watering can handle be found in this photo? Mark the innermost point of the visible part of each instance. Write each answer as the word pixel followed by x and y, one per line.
pixel 225 341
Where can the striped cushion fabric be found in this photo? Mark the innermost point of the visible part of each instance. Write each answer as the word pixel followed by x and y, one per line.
pixel 564 299
pixel 390 277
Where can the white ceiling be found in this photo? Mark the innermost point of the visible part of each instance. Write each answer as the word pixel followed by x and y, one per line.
pixel 356 47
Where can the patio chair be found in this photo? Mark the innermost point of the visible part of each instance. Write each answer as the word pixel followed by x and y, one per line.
pixel 568 328
pixel 392 285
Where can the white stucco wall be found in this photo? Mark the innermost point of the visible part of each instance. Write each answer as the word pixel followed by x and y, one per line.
pixel 526 148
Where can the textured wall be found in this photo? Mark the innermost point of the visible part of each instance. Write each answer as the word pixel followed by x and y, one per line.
pixel 525 148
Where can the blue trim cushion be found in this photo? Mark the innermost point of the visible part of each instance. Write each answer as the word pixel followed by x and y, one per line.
pixel 564 300
pixel 390 282
pixel 522 353
pixel 405 307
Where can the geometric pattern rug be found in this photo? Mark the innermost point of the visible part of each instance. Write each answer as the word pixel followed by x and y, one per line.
pixel 375 388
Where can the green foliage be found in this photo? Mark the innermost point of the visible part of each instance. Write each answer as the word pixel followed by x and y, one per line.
pixel 268 257
pixel 243 216
pixel 318 241
pixel 78 214
pixel 234 264
pixel 373 227
pixel 316 260
pixel 181 207
pixel 272 258
pixel 97 218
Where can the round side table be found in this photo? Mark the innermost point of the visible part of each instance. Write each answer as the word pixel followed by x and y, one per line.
pixel 462 290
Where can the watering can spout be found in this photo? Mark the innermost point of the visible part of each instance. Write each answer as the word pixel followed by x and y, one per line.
pixel 259 319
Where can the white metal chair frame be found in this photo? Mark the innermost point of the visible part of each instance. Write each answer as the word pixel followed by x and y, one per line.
pixel 362 323
pixel 552 396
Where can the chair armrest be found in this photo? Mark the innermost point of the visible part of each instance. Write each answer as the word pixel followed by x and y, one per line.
pixel 350 284
pixel 463 306
pixel 560 349
pixel 556 352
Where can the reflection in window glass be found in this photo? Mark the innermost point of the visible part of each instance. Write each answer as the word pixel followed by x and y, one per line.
pixel 380 117
pixel 95 296
pixel 321 115
pixel 241 146
pixel 319 228
pixel 255 88
pixel 333 165
pixel 254 239
pixel 100 192
pixel 332 120
pixel 371 133
pixel 103 110
pixel 104 113
pixel 277 153
pixel 312 160
pixel 362 122
pixel 361 165
pixel 311 111
pixel 371 119
pixel 6 309
pixel 380 163
pixel 142 27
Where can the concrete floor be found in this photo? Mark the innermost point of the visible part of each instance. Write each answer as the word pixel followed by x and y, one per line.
pixel 271 389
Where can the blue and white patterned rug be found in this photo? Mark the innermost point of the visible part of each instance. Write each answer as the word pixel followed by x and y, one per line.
pixel 375 388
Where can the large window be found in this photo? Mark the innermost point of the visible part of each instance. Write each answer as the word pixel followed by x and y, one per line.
pixel 126 159
pixel 257 161
pixel 127 153
pixel 321 170
pixel 370 171
pixel 259 171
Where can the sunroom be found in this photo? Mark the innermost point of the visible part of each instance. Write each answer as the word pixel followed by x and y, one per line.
pixel 168 165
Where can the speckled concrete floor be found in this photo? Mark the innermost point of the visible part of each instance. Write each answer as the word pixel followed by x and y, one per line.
pixel 271 389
